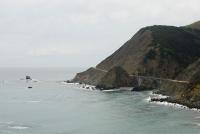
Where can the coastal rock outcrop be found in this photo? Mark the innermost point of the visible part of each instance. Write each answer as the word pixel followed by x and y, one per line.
pixel 115 78
pixel 91 76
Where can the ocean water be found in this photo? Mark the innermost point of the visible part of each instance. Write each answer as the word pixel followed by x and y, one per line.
pixel 52 107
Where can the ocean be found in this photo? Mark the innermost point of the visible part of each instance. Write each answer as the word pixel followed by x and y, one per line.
pixel 53 107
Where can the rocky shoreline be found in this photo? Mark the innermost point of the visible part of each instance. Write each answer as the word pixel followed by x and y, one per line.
pixel 173 102
pixel 153 98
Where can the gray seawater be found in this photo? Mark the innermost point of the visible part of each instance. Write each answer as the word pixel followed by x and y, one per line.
pixel 52 107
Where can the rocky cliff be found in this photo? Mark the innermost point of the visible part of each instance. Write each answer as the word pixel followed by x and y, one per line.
pixel 186 94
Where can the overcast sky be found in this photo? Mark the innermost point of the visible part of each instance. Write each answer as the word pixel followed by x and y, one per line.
pixel 70 33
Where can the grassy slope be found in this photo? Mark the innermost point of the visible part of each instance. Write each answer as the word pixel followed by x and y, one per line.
pixel 195 25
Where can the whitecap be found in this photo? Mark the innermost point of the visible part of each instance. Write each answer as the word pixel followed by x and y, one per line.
pixel 69 83
pixel 19 127
pixel 112 90
pixel 13 125
pixel 33 101
pixel 148 99
pixel 158 96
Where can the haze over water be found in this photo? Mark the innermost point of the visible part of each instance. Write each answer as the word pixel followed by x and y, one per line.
pixel 52 107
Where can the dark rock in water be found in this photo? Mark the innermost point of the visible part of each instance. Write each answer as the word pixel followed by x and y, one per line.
pixel 115 78
pixel 159 99
pixel 30 87
pixel 141 88
pixel 80 83
pixel 68 81
pixel 28 77
pixel 182 101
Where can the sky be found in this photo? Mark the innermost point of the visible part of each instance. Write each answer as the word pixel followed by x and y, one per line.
pixel 80 33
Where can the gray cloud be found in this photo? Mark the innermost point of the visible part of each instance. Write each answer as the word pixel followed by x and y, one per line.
pixel 80 32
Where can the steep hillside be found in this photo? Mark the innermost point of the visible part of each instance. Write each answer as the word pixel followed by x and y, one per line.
pixel 195 25
pixel 161 51
pixel 129 56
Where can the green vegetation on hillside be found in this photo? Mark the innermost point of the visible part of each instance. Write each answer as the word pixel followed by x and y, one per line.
pixel 176 43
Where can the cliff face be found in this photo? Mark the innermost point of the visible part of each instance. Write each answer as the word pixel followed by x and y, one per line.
pixel 191 96
pixel 186 94
pixel 161 51
pixel 189 74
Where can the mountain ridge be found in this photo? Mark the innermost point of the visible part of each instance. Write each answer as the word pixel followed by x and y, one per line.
pixel 149 46
pixel 168 52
